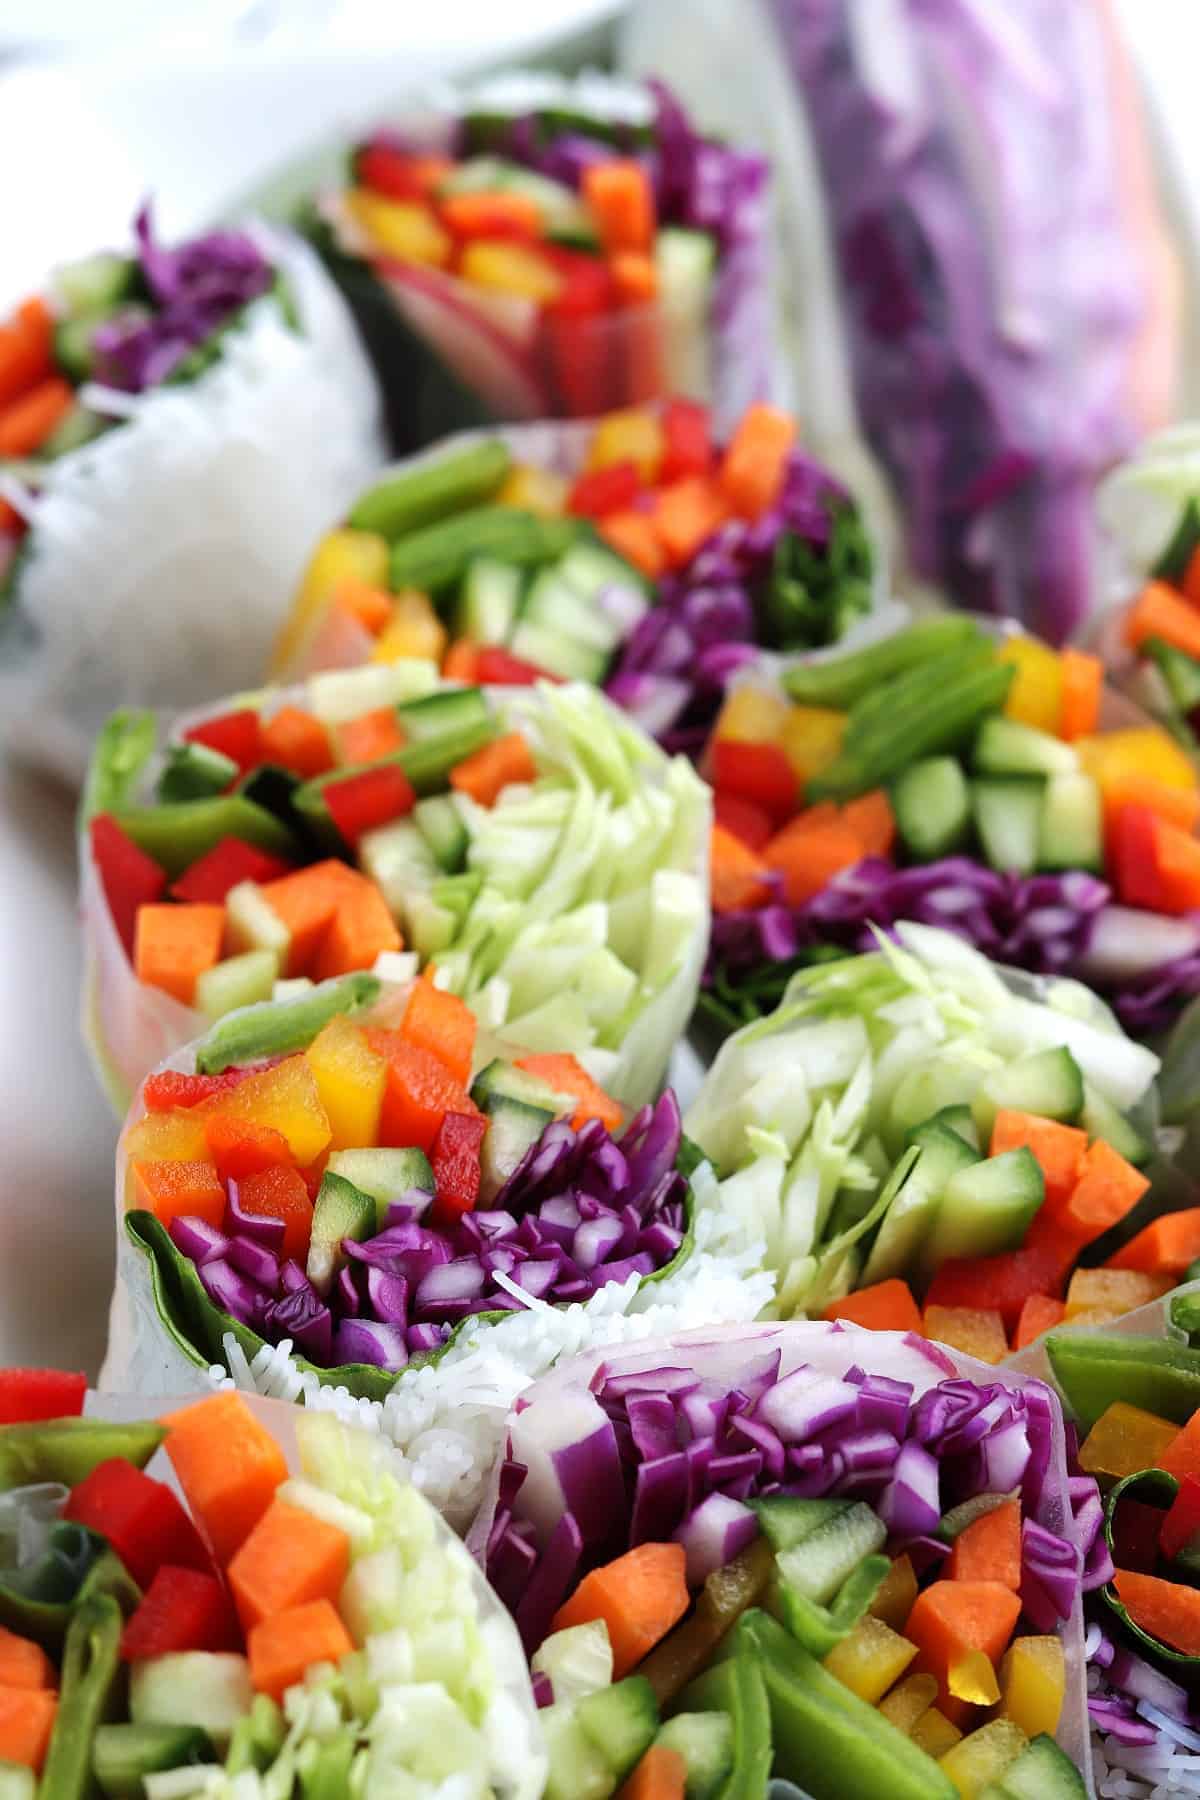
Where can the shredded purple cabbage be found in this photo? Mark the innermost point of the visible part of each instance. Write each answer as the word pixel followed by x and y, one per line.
pixel 195 290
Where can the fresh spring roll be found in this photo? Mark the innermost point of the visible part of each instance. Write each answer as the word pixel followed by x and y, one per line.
pixel 232 1598
pixel 174 425
pixel 357 1199
pixel 925 1141
pixel 640 551
pixel 960 774
pixel 530 844
pixel 543 248
pixel 842 1556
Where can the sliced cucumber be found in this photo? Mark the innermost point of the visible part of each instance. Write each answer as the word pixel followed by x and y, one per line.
pixel 488 600
pixel 1180 672
pixel 123 1754
pixel 341 1211
pixel 927 1091
pixel 1071 828
pixel 1008 818
pixel 504 1079
pixel 252 924
pixel 621 1721
pixel 818 1566
pixel 705 1742
pixel 455 711
pixel 73 346
pixel 960 1120
pixel 912 1215
pixel 97 284
pixel 548 649
pixel 399 861
pixel 194 772
pixel 985 1209
pixel 555 605
pixel 207 1688
pixel 1101 1119
pixel 1039 1772
pixel 788 1519
pixel 444 829
pixel 385 1175
pixel 932 807
pixel 237 981
pixel 685 263
pixel 590 568
pixel 1048 1083
pixel 1006 747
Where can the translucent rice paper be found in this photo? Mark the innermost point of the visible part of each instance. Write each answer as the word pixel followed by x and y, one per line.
pixel 831 1349
pixel 129 1028
pixel 445 1417
pixel 162 556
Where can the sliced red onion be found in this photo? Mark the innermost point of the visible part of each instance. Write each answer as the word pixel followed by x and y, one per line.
pixel 1131 1674
pixel 621 1270
pixel 537 1278
pixel 1006 1454
pixel 643 1381
pixel 264 1227
pixel 293 1280
pixel 812 1473
pixel 462 1279
pixel 1113 1717
pixel 345 1291
pixel 370 1341
pixel 560 1218
pixel 1051 1570
pixel 714 1534
pixel 256 1260
pixel 884 1404
pixel 425 1337
pixel 869 1451
pixel 736 1473
pixel 196 1239
pixel 303 1318
pixel 704 1409
pixel 387 1297
pixel 488 1226
pixel 910 1504
pixel 758 1433
pixel 234 1292
pixel 660 1242
pixel 511 1562
pixel 923 1551
pixel 570 1450
pixel 802 1404
pixel 660 1498
pixel 652 1425
pixel 596 1240
pixel 550 1583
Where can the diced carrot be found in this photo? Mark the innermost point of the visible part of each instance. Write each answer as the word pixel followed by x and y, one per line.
pixel 809 859
pixel 174 945
pixel 370 605
pixel 949 1619
pixel 989 1548
pixel 1182 1455
pixel 25 424
pixel 872 821
pixel 359 931
pixel 228 1466
pixel 174 1190
pixel 297 741
pixel 621 199
pixel 371 736
pixel 686 514
pixel 1177 865
pixel 660 1775
pixel 975 1330
pixel 1039 1313
pixel 1167 1610
pixel 1160 612
pixel 1058 1149
pixel 486 773
pixel 639 1597
pixel 306 903
pixel 281 1192
pixel 281 1648
pixel 635 278
pixel 240 1148
pixel 1178 806
pixel 884 1306
pixel 24 1664
pixel 632 535
pixel 755 463
pixel 26 349
pixel 495 214
pixel 418 1093
pixel 442 1024
pixel 1107 1188
pixel 1164 1247
pixel 745 821
pixel 1082 680
pixel 460 661
pixel 738 877
pixel 1191 578
pixel 288 1558
pixel 567 1076
pixel 26 1721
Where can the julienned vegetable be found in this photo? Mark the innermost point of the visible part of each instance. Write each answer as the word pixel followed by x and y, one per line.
pixel 529 843
pixel 912 1123
pixel 121 393
pixel 656 1507
pixel 936 775
pixel 276 1634
pixel 551 249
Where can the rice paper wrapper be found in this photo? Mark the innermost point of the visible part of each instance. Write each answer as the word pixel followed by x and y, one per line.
pixel 161 557
pixel 130 1028
pixel 517 1750
pixel 720 1354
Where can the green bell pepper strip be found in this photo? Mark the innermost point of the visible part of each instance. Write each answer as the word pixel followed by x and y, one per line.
pixel 67 1450
pixel 123 748
pixel 818 1628
pixel 829 1740
pixel 1156 1486
pixel 734 1686
pixel 90 1667
pixel 1157 1374
pixel 181 832
pixel 1184 1311
pixel 42 1605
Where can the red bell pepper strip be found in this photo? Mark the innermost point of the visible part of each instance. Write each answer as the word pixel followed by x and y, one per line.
pixel 375 797
pixel 1182 1522
pixel 141 1518
pixel 173 1088
pixel 744 819
pixel 182 1609
pixel 600 491
pixel 455 1161
pixel 30 1394
pixel 128 876
pixel 496 667
pixel 1000 1283
pixel 398 175
pixel 578 339
pixel 687 440
pixel 211 876
pixel 760 773
pixel 237 735
pixel 1132 850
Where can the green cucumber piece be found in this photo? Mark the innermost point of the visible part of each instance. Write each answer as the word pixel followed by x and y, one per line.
pixel 436 557
pixel 958 1119
pixel 123 1754
pixel 385 1174
pixel 194 772
pixel 73 352
pixel 1008 819
pixel 985 1209
pixel 1039 1772
pixel 514 1127
pixel 932 807
pixel 280 1028
pixel 99 283
pixel 705 1742
pixel 621 1722
pixel 1101 1119
pixel 236 981
pixel 488 600
pixel 590 568
pixel 577 1769
pixel 554 605
pixel 1180 672
pixel 453 711
pixel 1007 747
pixel 1071 828
pixel 444 830
pixel 818 1565
pixel 549 649
pixel 413 497
pixel 734 1686
pixel 1048 1083
pixel 685 264
pixel 17 1782
pixel 928 1091
pixel 341 1210
pixel 207 1688
pixel 911 1218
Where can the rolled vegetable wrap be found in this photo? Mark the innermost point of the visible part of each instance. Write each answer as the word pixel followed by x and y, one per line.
pixel 845 1557
pixel 541 248
pixel 241 1600
pixel 533 847
pixel 359 1199
pixel 962 776
pixel 914 1128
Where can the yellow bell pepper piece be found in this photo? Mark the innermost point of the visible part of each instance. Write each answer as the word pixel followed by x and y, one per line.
pixel 341 555
pixel 1124 1439
pixel 285 1099
pixel 1035 697
pixel 414 629
pixel 400 228
pixel 1142 750
pixel 894 1601
pixel 628 436
pixel 907 1701
pixel 1033 1681
pixel 350 1080
pixel 973 1679
pixel 934 1733
pixel 1117 1291
pixel 176 1136
pixel 752 715
pixel 510 269
pixel 533 490
pixel 870 1658
pixel 983 1755
pixel 972 1330
pixel 811 738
